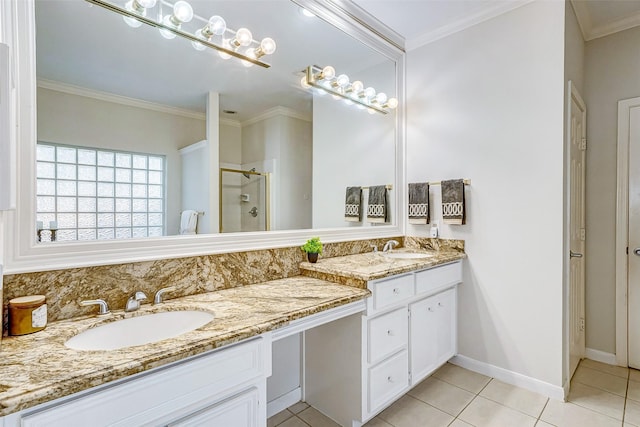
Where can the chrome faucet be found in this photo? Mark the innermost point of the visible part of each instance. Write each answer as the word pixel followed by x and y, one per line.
pixel 390 245
pixel 158 298
pixel 133 303
pixel 104 308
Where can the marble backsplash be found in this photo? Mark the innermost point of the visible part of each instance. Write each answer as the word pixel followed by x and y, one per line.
pixel 429 243
pixel 65 289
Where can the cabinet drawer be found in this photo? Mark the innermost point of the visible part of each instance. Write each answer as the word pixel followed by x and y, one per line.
pixel 387 380
pixel 387 334
pixel 389 292
pixel 434 278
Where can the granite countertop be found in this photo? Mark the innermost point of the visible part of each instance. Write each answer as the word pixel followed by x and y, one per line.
pixel 357 270
pixel 38 368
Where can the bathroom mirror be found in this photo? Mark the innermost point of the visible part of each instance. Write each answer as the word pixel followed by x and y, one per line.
pixel 93 73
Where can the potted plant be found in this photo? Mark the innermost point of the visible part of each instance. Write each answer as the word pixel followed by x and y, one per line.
pixel 313 247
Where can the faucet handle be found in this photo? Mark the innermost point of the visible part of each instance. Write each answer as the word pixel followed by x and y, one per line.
pixel 158 297
pixel 104 308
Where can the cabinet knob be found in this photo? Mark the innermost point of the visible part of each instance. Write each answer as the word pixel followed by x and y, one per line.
pixel 396 290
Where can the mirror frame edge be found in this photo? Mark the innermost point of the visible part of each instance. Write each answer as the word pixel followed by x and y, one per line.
pixel 22 254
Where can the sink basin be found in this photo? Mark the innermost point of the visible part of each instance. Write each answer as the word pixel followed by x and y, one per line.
pixel 139 330
pixel 406 255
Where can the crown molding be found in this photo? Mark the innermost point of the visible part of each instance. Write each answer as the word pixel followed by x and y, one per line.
pixel 591 32
pixel 230 122
pixel 462 24
pixel 277 111
pixel 118 99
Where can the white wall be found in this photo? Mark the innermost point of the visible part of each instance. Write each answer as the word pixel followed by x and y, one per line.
pixel 487 104
pixel 350 148
pixel 612 68
pixel 77 120
pixel 230 142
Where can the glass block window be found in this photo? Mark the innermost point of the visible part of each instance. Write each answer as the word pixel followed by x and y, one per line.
pixel 97 194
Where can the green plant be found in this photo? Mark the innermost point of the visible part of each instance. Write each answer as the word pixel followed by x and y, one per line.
pixel 312 246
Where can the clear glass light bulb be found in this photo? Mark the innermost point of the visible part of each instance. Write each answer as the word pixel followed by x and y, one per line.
pixel 356 87
pixel 381 98
pixel 369 92
pixel 198 45
pixel 342 80
pixel 227 45
pixel 328 72
pixel 303 82
pixel 268 45
pixel 243 37
pixel 217 25
pixel 182 11
pixel 250 53
pixel 147 3
pixel 166 33
pixel 392 103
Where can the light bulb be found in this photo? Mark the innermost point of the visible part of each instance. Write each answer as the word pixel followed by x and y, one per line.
pixel 303 82
pixel 147 3
pixel 369 92
pixel 197 45
pixel 381 98
pixel 328 73
pixel 356 88
pixel 182 11
pixel 268 45
pixel 243 38
pixel 306 13
pixel 342 80
pixel 392 103
pixel 250 53
pixel 227 45
pixel 216 25
pixel 371 111
pixel 164 32
pixel 135 7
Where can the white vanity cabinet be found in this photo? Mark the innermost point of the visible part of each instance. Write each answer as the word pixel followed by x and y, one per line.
pixel 225 387
pixel 357 366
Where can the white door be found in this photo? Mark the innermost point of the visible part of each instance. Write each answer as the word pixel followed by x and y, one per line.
pixel 634 238
pixel 578 144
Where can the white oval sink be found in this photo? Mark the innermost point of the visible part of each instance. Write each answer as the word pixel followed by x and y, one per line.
pixel 139 330
pixel 406 255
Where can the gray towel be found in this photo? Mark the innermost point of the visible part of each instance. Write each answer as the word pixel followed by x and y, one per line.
pixel 353 204
pixel 453 209
pixel 419 203
pixel 377 208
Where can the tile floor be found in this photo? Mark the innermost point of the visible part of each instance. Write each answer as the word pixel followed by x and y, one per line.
pixel 601 396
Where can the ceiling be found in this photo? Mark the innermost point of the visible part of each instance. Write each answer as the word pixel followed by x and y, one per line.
pixel 423 21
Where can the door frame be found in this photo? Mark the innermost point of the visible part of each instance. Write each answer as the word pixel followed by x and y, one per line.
pixel 622 230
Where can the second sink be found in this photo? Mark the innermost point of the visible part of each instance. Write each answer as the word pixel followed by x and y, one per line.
pixel 139 330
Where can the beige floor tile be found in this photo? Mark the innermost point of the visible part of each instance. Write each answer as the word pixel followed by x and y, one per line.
pixel 487 413
pixel 633 392
pixel 279 418
pixel 632 413
pixel 459 423
pixel 597 400
pixel 315 418
pixel 411 412
pixel 570 415
pixel 442 395
pixel 541 423
pixel 462 378
pixel 377 422
pixel 294 422
pixel 516 398
pixel 619 371
pixel 634 375
pixel 298 407
pixel 601 380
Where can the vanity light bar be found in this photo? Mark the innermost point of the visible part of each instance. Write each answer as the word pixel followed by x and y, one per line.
pixel 252 54
pixel 325 79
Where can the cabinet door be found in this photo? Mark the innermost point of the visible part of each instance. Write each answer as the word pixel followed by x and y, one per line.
pixel 432 333
pixel 239 411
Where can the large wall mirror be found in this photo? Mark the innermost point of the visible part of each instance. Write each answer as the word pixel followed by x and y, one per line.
pixel 147 142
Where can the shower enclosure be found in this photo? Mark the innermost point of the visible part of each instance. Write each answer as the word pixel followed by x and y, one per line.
pixel 244 200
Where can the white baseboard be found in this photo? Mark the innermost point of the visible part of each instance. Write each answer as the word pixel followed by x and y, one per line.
pixel 510 377
pixel 283 402
pixel 600 356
